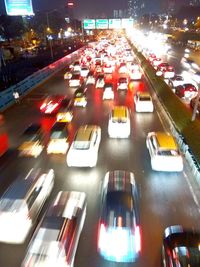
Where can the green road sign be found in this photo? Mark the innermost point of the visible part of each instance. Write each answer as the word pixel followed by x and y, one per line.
pixel 114 23
pixel 89 24
pixel 127 23
pixel 101 23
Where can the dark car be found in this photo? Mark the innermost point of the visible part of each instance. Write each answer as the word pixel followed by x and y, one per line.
pixel 119 238
pixel 80 97
pixel 186 91
pixel 180 247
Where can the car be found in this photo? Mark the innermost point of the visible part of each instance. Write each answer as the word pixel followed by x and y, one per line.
pixel 193 101
pixel 186 91
pixel 176 81
pixel 68 74
pixel 108 68
pixel 76 66
pixel 75 80
pixel 51 104
pixel 58 141
pixel 164 152
pixel 65 113
pixel 83 151
pixel 90 78
pixel 100 81
pixel 187 63
pixel 166 72
pixel 180 247
pixel 80 98
pixel 108 92
pixel 55 240
pixel 119 124
pixel 84 71
pixel 119 231
pixel 123 68
pixel 135 74
pixel 143 102
pixel 156 62
pixel 22 202
pixel 32 141
pixel 122 83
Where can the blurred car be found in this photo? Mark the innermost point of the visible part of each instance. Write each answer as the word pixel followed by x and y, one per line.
pixel 108 92
pixel 119 124
pixel 143 102
pixel 80 98
pixel 180 247
pixel 108 68
pixel 32 141
pixel 68 75
pixel 58 141
pixel 119 234
pixel 122 83
pixel 51 104
pixel 192 103
pixel 55 240
pixel 75 80
pixel 135 74
pixel 176 81
pixel 164 152
pixel 156 62
pixel 65 113
pixel 166 72
pixel 83 151
pixel 84 71
pixel 123 68
pixel 76 66
pixel 20 205
pixel 90 78
pixel 100 81
pixel 187 63
pixel 186 91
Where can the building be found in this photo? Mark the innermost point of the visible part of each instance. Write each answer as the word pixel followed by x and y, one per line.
pixel 194 3
pixel 132 11
pixel 118 14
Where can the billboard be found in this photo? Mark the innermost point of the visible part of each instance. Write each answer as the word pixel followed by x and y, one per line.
pixel 101 23
pixel 19 7
pixel 114 23
pixel 89 24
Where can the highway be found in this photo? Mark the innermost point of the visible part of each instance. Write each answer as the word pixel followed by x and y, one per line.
pixel 165 198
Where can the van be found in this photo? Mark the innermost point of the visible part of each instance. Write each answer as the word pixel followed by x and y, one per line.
pixel 119 125
pixel 56 238
pixel 21 203
pixel 164 152
pixel 58 142
pixel 83 151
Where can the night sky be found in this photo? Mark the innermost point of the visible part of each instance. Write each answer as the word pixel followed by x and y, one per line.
pixel 93 8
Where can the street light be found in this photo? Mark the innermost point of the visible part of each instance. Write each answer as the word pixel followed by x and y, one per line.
pixel 196 101
pixel 48 29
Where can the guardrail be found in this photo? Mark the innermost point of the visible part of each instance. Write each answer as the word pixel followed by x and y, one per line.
pixel 32 81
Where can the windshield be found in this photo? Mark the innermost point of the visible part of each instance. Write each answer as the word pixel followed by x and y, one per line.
pixel 81 145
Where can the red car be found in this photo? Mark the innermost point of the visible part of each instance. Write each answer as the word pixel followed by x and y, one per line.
pixel 51 104
pixel 186 91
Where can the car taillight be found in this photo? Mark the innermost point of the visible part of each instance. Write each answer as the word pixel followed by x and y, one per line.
pixel 137 239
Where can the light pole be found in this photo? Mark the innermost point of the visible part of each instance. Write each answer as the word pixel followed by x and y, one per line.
pixel 196 104
pixel 50 43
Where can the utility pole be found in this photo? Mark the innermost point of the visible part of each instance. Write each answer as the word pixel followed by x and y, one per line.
pixel 48 28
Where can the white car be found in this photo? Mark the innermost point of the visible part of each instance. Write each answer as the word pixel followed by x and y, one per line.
pixel 108 69
pixel 83 151
pixel 143 102
pixel 90 80
pixel 84 72
pixel 135 75
pixel 122 83
pixel 75 80
pixel 164 152
pixel 108 92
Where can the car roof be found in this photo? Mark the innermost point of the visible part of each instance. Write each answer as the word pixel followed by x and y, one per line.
pixel 120 180
pixel 120 112
pixel 165 141
pixel 32 128
pixel 58 126
pixel 84 133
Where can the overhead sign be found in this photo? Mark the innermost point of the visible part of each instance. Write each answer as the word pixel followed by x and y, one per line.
pixel 114 23
pixel 127 23
pixel 19 7
pixel 89 24
pixel 101 23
